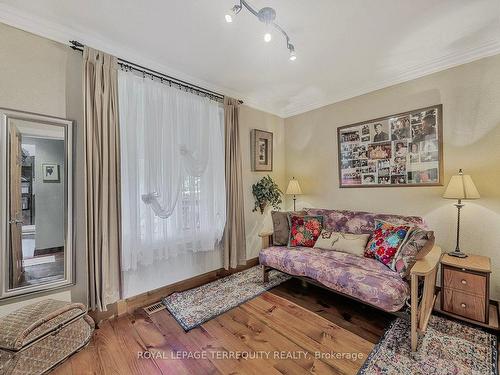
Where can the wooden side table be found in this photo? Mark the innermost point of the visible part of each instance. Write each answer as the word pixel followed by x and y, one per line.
pixel 466 286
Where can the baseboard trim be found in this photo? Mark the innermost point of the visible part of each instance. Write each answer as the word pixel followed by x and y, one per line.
pixel 129 305
pixel 48 251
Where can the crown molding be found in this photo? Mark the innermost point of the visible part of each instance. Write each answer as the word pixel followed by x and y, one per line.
pixel 411 72
pixel 63 34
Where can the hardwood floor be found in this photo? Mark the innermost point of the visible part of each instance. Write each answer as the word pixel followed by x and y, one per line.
pixel 289 330
pixel 362 320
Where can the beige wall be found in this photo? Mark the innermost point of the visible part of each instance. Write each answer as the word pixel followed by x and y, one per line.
pixel 41 76
pixel 255 222
pixel 470 95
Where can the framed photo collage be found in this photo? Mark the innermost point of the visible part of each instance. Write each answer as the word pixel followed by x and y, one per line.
pixel 399 150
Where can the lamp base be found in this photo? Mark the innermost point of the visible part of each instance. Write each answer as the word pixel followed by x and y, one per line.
pixel 457 254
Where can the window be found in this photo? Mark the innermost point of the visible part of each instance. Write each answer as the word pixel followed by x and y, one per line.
pixel 173 183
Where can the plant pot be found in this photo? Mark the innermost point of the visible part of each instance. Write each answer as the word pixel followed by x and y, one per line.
pixel 262 207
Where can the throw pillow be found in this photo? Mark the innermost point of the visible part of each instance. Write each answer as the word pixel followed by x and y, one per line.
pixel 386 241
pixel 418 244
pixel 304 230
pixel 346 242
pixel 281 226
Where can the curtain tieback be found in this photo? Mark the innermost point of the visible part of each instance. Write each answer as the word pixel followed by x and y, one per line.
pixel 151 199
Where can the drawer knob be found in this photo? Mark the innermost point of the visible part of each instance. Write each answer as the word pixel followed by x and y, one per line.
pixel 464 282
pixel 463 305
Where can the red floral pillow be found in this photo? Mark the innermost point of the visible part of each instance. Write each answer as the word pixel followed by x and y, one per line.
pixel 386 241
pixel 304 230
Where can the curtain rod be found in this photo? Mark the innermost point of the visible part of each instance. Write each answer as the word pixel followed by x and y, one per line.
pixel 128 65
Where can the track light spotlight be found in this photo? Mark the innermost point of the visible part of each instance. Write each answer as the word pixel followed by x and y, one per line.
pixel 293 55
pixel 235 10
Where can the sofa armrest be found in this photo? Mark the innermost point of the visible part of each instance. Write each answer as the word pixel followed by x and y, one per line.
pixel 425 269
pixel 267 239
pixel 426 265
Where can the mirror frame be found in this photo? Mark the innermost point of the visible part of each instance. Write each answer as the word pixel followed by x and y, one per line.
pixel 69 245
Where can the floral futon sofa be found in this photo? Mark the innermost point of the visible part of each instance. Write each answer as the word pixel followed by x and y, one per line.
pixel 359 277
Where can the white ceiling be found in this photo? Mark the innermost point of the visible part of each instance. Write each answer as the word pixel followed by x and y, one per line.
pixel 344 48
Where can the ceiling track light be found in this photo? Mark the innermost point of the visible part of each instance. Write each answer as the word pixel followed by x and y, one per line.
pixel 265 15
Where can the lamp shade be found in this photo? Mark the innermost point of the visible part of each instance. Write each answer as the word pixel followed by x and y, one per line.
pixel 461 186
pixel 293 188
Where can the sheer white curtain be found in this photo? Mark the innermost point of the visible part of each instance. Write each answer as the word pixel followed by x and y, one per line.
pixel 173 189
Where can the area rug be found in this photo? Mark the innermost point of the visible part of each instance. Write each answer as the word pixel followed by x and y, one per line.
pixel 194 307
pixel 448 347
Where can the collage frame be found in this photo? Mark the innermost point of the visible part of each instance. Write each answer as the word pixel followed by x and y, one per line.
pixel 378 147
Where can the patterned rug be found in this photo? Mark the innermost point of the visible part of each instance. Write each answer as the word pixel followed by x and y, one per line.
pixel 448 347
pixel 194 307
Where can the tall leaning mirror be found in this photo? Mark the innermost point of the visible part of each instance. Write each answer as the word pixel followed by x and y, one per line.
pixel 36 203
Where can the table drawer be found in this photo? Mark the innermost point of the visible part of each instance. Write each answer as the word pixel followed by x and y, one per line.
pixel 467 305
pixel 464 281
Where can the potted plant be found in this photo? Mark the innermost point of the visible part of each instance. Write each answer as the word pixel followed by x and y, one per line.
pixel 266 191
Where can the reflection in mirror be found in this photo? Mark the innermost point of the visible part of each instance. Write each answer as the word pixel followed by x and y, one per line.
pixel 36 196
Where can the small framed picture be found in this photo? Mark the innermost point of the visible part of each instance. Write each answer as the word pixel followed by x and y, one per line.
pixel 50 172
pixel 262 150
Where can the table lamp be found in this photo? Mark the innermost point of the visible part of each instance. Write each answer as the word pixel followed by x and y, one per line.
pixel 293 189
pixel 460 187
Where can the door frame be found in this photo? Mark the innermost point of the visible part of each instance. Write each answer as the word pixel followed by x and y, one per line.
pixel 15 230
pixel 69 244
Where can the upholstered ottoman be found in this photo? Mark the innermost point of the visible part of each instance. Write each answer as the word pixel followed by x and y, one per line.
pixel 37 337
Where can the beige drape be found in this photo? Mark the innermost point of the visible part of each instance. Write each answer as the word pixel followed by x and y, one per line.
pixel 102 177
pixel 234 232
